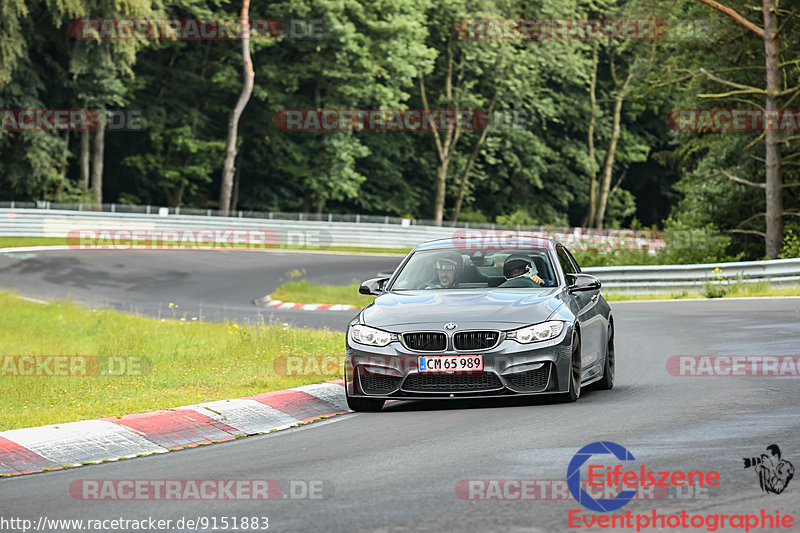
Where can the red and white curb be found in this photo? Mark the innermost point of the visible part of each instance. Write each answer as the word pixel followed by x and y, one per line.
pixel 267 301
pixel 24 451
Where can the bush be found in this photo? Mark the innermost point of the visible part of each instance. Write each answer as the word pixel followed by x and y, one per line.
pixel 686 245
pixel 791 243
pixel 519 217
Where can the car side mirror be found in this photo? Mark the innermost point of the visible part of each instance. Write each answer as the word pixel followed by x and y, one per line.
pixel 582 282
pixel 373 286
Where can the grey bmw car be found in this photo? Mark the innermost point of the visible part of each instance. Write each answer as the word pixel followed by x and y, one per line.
pixel 471 317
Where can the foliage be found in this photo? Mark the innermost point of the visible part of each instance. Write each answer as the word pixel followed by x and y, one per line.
pixel 791 243
pixel 532 167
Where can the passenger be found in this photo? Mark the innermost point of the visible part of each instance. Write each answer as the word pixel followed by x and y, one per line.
pixel 518 270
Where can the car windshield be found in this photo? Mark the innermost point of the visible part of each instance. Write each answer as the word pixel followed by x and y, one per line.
pixel 475 269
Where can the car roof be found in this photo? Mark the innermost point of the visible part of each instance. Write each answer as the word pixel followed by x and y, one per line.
pixel 493 240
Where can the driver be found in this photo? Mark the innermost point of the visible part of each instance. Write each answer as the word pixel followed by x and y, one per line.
pixel 446 269
pixel 519 268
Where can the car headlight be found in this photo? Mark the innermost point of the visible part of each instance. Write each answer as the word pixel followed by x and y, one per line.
pixel 371 336
pixel 537 332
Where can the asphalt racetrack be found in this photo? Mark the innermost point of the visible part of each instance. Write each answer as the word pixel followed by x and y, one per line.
pixel 214 285
pixel 399 470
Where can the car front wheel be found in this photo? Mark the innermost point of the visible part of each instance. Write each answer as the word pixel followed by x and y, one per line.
pixel 607 382
pixel 575 371
pixel 364 404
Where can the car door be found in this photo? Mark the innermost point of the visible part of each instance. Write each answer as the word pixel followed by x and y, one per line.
pixel 593 326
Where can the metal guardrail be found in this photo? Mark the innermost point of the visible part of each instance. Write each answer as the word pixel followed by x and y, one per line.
pixel 38 222
pixel 269 215
pixel 58 223
pixel 658 278
pixel 401 234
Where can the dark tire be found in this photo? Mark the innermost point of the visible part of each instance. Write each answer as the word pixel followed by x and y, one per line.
pixel 607 382
pixel 364 404
pixel 575 372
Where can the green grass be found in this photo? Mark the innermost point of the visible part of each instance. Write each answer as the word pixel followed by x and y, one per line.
pixel 191 361
pixel 13 242
pixel 302 291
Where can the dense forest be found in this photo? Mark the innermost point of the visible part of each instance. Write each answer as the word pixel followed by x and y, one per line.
pixel 583 121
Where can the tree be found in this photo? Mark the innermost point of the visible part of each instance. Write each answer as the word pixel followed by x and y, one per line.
pixel 236 112
pixel 772 162
pixel 368 58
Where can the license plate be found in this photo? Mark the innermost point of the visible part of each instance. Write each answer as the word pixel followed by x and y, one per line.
pixel 450 363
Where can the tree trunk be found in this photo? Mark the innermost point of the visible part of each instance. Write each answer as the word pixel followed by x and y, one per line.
pixel 438 201
pixel 605 184
pixel 444 147
pixel 62 182
pixel 235 199
pixel 774 220
pixel 85 161
pixel 462 188
pixel 97 160
pixel 233 119
pixel 772 153
pixel 472 157
pixel 592 160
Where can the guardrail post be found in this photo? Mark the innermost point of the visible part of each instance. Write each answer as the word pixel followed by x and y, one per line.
pixel 270 215
pixel 240 214
pixel 147 210
pixel 330 217
pixel 113 208
pixel 208 212
pixel 177 210
pixel 358 219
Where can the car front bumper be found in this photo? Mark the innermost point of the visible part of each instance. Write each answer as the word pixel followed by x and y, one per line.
pixel 510 369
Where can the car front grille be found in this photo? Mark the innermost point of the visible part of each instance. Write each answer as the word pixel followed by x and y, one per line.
pixel 425 341
pixel 476 340
pixel 452 382
pixel 378 383
pixel 532 380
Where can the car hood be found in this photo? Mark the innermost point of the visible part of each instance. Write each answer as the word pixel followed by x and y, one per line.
pixel 394 311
